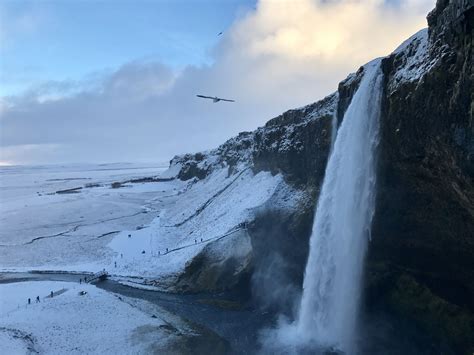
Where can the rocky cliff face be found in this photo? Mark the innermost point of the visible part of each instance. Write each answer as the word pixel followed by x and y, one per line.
pixel 421 258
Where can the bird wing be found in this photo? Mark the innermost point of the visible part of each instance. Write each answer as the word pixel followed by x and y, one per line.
pixel 205 97
pixel 215 99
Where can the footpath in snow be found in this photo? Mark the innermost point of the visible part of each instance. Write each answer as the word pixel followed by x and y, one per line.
pixel 82 319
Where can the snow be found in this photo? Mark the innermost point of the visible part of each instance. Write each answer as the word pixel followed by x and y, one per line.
pixel 12 344
pixel 172 171
pixel 412 59
pixel 89 231
pixel 49 231
pixel 208 210
pixel 69 323
pixel 324 107
pixel 420 35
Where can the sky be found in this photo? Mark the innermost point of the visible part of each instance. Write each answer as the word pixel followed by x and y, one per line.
pixel 115 80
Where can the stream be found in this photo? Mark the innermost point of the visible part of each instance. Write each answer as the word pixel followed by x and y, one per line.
pixel 240 324
pixel 221 313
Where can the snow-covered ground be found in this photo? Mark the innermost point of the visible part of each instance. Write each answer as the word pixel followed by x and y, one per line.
pixel 40 228
pixel 96 322
pixel 147 229
pixel 207 211
pixel 140 230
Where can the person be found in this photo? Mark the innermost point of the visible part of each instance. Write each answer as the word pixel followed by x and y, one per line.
pixel 166 249
pixel 29 300
pixel 115 263
pixel 129 235
pixel 121 255
pixel 52 294
pixel 201 240
pixel 85 278
pixel 195 241
pixel 37 299
pixel 80 280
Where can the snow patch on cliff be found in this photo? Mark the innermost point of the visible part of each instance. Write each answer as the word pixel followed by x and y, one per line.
pixel 413 60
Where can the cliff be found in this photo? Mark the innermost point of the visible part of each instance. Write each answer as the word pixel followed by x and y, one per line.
pixel 421 257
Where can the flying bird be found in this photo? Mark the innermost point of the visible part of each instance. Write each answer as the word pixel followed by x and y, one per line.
pixel 219 33
pixel 215 99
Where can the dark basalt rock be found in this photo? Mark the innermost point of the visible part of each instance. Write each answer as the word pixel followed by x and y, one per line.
pixel 421 258
pixel 191 166
pixel 299 152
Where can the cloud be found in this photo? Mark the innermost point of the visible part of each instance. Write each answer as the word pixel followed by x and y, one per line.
pixel 281 55
pixel 139 80
pixel 28 153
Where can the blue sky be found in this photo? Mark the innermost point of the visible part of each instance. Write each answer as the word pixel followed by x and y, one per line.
pixel 65 39
pixel 116 80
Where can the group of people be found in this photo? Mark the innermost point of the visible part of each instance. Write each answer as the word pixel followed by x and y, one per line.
pixel 38 298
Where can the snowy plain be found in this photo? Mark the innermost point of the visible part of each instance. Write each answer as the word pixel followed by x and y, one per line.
pixel 141 229
pixel 81 319
pixel 145 229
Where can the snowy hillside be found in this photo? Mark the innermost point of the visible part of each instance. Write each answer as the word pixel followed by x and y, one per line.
pixel 195 206
pixel 238 218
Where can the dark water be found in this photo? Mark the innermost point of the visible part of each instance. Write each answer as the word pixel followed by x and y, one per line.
pixel 241 323
pixel 240 327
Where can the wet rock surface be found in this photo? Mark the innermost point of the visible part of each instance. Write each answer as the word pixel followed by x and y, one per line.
pixel 421 257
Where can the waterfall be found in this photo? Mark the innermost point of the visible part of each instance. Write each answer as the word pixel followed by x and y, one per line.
pixel 333 131
pixel 332 282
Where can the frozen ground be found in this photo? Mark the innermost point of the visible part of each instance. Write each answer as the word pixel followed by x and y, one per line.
pixel 97 322
pixel 140 230
pixel 147 229
pixel 40 228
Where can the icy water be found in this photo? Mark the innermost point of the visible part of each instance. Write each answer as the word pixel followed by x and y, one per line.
pixel 242 327
pixel 30 209
pixel 239 323
pixel 341 230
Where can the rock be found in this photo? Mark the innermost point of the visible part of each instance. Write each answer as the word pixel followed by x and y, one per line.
pixel 421 259
pixel 221 265
pixel 424 225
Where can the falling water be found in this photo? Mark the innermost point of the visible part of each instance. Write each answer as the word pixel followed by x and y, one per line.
pixel 331 288
pixel 334 123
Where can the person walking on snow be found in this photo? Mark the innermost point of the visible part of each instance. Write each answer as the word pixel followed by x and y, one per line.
pixel 29 300
pixel 38 299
